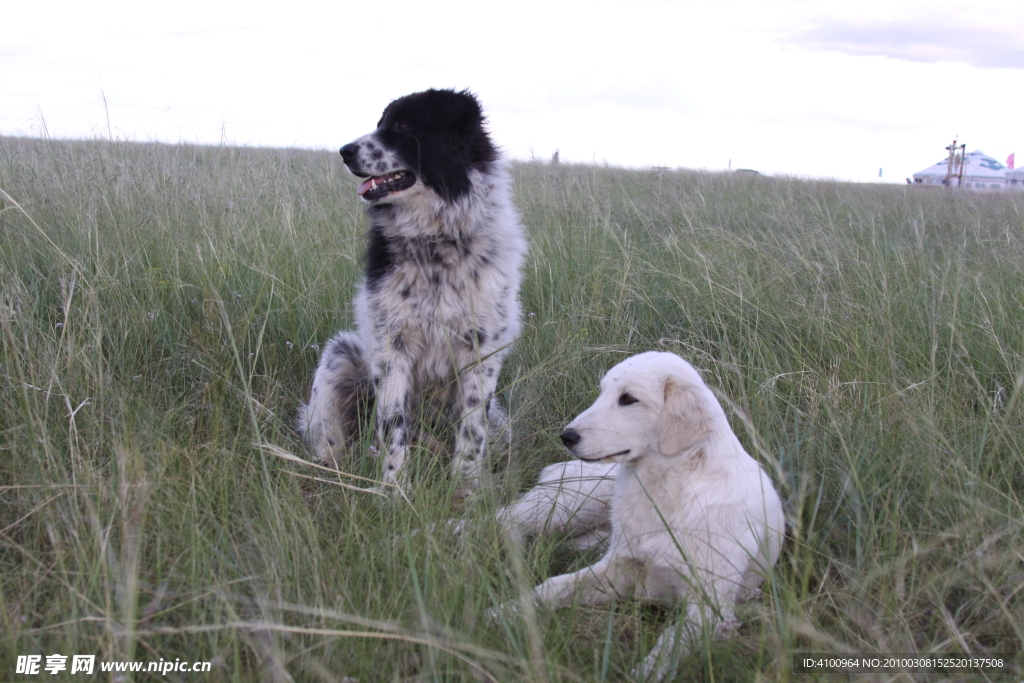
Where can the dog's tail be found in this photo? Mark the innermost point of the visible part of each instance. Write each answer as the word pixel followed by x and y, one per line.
pixel 340 403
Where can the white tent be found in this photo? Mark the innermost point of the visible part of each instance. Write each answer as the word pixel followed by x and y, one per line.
pixel 1015 179
pixel 981 172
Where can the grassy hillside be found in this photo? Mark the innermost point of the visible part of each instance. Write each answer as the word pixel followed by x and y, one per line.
pixel 160 312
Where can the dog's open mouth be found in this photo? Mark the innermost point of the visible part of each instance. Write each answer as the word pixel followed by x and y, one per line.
pixel 378 187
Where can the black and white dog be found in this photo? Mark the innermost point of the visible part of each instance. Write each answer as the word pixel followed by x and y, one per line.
pixel 439 306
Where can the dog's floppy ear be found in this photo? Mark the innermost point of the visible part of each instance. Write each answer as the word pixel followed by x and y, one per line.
pixel 684 418
pixel 447 109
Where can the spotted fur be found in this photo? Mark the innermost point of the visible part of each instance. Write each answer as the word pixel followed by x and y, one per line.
pixel 438 306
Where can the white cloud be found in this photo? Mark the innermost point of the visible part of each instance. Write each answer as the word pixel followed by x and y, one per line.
pixel 922 40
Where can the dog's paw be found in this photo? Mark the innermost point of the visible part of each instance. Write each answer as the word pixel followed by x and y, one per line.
pixel 388 494
pixel 473 491
pixel 327 462
pixel 465 495
pixel 655 667
pixel 394 485
pixel 455 527
pixel 726 626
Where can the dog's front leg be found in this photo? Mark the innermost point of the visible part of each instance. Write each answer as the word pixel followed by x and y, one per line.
pixel 475 389
pixel 677 641
pixel 674 643
pixel 711 609
pixel 392 378
pixel 571 497
pixel 598 584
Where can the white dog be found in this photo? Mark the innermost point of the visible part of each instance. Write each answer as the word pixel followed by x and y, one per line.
pixel 688 515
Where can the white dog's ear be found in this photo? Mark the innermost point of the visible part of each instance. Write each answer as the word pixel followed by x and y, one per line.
pixel 684 418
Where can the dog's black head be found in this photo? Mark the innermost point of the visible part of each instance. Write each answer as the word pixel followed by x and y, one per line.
pixel 434 136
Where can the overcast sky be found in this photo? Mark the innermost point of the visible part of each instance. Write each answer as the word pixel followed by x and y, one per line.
pixel 800 88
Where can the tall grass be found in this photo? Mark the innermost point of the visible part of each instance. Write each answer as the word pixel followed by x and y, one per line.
pixel 161 309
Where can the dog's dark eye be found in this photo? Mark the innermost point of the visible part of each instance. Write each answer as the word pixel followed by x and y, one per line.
pixel 627 400
pixel 401 127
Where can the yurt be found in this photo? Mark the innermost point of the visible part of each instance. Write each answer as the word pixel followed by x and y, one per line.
pixel 1015 179
pixel 981 172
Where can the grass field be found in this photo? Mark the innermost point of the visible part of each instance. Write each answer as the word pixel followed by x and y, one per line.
pixel 160 311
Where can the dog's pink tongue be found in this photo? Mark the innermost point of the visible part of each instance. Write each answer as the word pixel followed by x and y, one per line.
pixel 364 187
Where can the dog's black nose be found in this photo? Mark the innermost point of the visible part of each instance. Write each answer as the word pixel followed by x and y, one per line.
pixel 570 437
pixel 348 152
